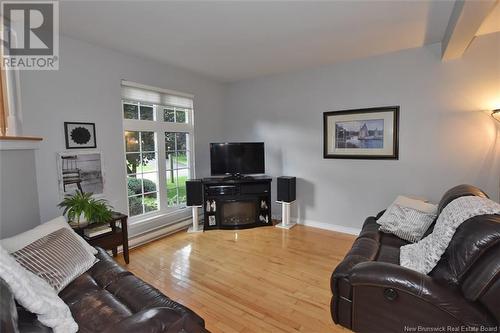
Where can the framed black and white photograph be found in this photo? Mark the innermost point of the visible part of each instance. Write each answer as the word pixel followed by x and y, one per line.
pixel 361 133
pixel 79 135
pixel 80 171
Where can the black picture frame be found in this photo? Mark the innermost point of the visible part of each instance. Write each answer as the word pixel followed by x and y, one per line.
pixel 71 143
pixel 394 155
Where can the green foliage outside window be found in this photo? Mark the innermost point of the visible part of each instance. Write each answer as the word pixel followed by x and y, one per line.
pixel 136 142
pixel 135 199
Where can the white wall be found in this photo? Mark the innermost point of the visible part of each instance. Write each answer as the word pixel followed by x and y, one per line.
pixel 87 88
pixel 19 209
pixel 445 137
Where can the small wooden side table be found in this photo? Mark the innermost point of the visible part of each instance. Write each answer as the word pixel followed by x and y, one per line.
pixel 111 240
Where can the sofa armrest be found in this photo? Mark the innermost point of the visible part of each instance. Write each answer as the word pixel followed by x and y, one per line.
pixel 395 280
pixel 157 320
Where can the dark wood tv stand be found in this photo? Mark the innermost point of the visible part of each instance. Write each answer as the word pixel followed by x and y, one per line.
pixel 237 202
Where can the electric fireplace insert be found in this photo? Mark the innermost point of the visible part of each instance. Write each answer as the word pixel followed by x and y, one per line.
pixel 237 203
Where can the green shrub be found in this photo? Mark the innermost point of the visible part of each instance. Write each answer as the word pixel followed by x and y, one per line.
pixel 134 186
pixel 149 186
pixel 135 205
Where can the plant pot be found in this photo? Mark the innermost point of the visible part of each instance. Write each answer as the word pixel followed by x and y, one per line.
pixel 80 223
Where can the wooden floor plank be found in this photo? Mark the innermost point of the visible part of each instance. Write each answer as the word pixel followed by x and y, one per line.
pixel 256 280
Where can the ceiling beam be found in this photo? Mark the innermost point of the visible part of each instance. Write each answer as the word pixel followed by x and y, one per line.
pixel 465 20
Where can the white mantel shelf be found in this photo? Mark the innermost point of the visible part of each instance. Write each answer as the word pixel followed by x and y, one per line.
pixel 19 142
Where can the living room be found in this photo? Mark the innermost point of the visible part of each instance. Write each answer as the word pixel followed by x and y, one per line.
pixel 278 132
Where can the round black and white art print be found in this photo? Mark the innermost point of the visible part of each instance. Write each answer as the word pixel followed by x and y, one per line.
pixel 80 135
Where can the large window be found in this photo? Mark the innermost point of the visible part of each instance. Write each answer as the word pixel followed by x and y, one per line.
pixel 159 144
pixel 141 156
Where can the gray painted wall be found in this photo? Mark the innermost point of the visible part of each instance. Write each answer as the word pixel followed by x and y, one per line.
pixel 19 209
pixel 87 88
pixel 446 138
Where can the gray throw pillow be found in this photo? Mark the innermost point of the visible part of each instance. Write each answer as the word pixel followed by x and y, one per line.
pixel 58 258
pixel 405 222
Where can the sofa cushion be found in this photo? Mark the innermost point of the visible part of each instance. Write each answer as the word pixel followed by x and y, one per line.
pixel 407 202
pixel 106 271
pixel 391 240
pixel 389 254
pixel 157 320
pixel 405 222
pixel 82 285
pixel 98 310
pixel 138 295
pixel 58 258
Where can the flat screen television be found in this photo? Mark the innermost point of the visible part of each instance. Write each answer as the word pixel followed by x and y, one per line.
pixel 237 158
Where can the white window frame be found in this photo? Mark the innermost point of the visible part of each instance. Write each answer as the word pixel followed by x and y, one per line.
pixel 159 126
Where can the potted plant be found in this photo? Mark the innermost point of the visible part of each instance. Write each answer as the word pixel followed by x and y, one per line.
pixel 82 208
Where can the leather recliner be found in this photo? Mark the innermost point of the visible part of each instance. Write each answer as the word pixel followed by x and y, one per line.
pixel 107 299
pixel 373 293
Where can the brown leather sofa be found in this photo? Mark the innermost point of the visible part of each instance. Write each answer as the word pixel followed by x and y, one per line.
pixel 373 293
pixel 107 298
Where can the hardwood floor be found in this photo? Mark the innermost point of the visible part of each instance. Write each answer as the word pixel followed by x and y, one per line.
pixel 256 280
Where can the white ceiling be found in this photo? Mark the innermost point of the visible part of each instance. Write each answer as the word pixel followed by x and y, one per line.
pixel 235 40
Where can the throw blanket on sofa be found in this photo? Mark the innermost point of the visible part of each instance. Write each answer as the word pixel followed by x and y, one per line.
pixel 36 295
pixel 424 255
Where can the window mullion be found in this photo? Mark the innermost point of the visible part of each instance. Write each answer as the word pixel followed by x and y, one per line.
pixel 189 152
pixel 141 166
pixel 162 171
pixel 157 111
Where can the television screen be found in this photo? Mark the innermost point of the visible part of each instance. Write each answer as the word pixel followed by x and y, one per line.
pixel 237 158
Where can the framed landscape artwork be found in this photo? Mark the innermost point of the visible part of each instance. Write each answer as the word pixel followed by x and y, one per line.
pixel 361 133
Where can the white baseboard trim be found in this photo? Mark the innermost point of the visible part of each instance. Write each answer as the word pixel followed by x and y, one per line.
pixel 328 226
pixel 156 234
pixel 145 225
